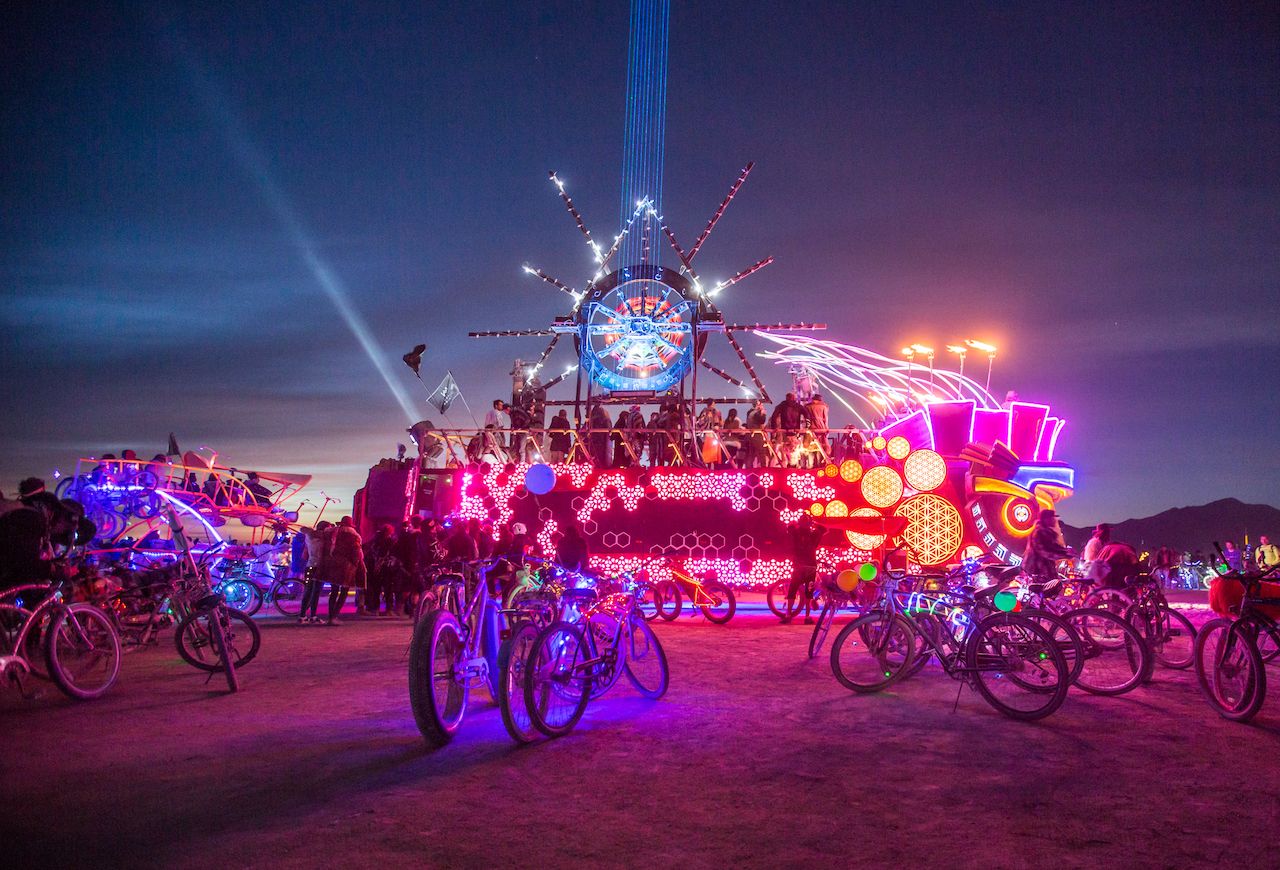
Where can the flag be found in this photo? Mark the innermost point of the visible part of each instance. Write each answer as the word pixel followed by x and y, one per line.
pixel 173 447
pixel 444 395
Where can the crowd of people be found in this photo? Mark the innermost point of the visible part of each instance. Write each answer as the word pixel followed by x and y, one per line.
pixel 1113 563
pixel 794 434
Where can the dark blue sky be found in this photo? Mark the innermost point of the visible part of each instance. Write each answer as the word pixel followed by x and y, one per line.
pixel 1094 188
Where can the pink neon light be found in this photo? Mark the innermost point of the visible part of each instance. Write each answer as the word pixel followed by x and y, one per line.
pixel 1025 444
pixel 1053 442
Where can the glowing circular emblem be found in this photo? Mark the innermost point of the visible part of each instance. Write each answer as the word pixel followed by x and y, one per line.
pixel 816 509
pixel 637 328
pixel 837 508
pixel 898 447
pixel 850 470
pixel 878 442
pixel 881 486
pixel 861 541
pixel 925 470
pixel 830 471
pixel 934 529
pixel 1019 515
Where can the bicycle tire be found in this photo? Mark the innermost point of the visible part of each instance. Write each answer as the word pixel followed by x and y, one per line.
pixel 1268 641
pixel 286 595
pixel 242 595
pixel 1230 671
pixel 647 602
pixel 820 629
pixel 1106 636
pixel 557 674
pixel 1067 638
pixel 218 642
pixel 668 600
pixel 74 632
pixel 646 661
pixel 1110 599
pixel 436 694
pixel 513 662
pixel 776 598
pixel 192 640
pixel 878 662
pixel 723 612
pixel 1165 630
pixel 1009 643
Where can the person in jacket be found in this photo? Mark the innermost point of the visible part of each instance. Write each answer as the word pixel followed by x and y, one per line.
pixel 820 414
pixel 598 439
pixel 382 566
pixel 314 566
pixel 788 418
pixel 755 452
pixel 571 551
pixel 345 565
pixel 1044 547
pixel 559 439
pixel 1267 554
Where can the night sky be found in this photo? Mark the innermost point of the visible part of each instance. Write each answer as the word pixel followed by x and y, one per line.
pixel 1094 188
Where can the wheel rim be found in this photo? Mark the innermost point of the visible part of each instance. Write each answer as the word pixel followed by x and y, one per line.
pixel 1228 668
pixel 875 652
pixel 645 658
pixel 447 692
pixel 557 679
pixel 517 663
pixel 1019 667
pixel 87 650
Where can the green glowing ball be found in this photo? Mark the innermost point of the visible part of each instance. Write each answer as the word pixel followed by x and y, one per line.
pixel 1006 601
pixel 867 571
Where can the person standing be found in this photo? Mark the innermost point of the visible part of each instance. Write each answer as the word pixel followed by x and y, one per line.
pixel 1044 547
pixel 1235 559
pixel 755 454
pixel 1267 554
pixel 381 566
pixel 345 565
pixel 820 414
pixel 805 537
pixel 599 436
pixel 1100 538
pixel 315 558
pixel 571 551
pixel 559 441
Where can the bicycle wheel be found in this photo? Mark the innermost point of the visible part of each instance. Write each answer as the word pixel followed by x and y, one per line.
pixel 723 605
pixel 286 595
pixel 1108 599
pixel 1229 669
pixel 217 624
pixel 1170 635
pixel 872 652
pixel 195 643
pixel 82 651
pixel 646 663
pixel 1064 635
pixel 242 595
pixel 647 603
pixel 820 629
pixel 777 600
pixel 558 684
pixel 437 684
pixel 667 599
pixel 1268 641
pixel 1115 658
pixel 513 662
pixel 1017 666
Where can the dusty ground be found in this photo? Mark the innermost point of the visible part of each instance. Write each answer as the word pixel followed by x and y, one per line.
pixel 756 756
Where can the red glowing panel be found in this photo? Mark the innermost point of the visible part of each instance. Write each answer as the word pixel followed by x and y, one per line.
pixel 881 486
pixel 861 541
pixel 951 423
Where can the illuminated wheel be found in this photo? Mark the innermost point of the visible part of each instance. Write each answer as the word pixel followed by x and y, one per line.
pixel 636 330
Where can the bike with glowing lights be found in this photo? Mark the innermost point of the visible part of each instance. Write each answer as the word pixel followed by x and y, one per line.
pixel 1143 604
pixel 1231 654
pixel 573 662
pixel 454 650
pixel 1013 662
pixel 713 598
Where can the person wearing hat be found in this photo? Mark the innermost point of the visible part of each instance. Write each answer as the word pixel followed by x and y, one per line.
pixel 1045 547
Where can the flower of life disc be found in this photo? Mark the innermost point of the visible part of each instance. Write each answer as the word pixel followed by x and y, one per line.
pixel 850 470
pixel 881 486
pixel 898 447
pixel 925 470
pixel 859 540
pixel 934 528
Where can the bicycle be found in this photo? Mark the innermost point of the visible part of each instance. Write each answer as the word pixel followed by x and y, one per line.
pixel 450 654
pixel 571 663
pixel 715 599
pixel 78 642
pixel 1230 663
pixel 808 599
pixel 1012 661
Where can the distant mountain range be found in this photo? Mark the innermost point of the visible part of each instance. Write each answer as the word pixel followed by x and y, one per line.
pixel 1192 528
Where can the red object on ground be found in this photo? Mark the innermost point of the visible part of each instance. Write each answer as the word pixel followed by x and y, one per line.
pixel 1226 593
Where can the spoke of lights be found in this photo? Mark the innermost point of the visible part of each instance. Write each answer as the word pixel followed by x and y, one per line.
pixel 554 282
pixel 577 218
pixel 715 218
pixel 750 270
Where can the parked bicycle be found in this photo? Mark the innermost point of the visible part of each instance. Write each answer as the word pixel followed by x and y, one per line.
pixel 715 599
pixel 73 644
pixel 1231 654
